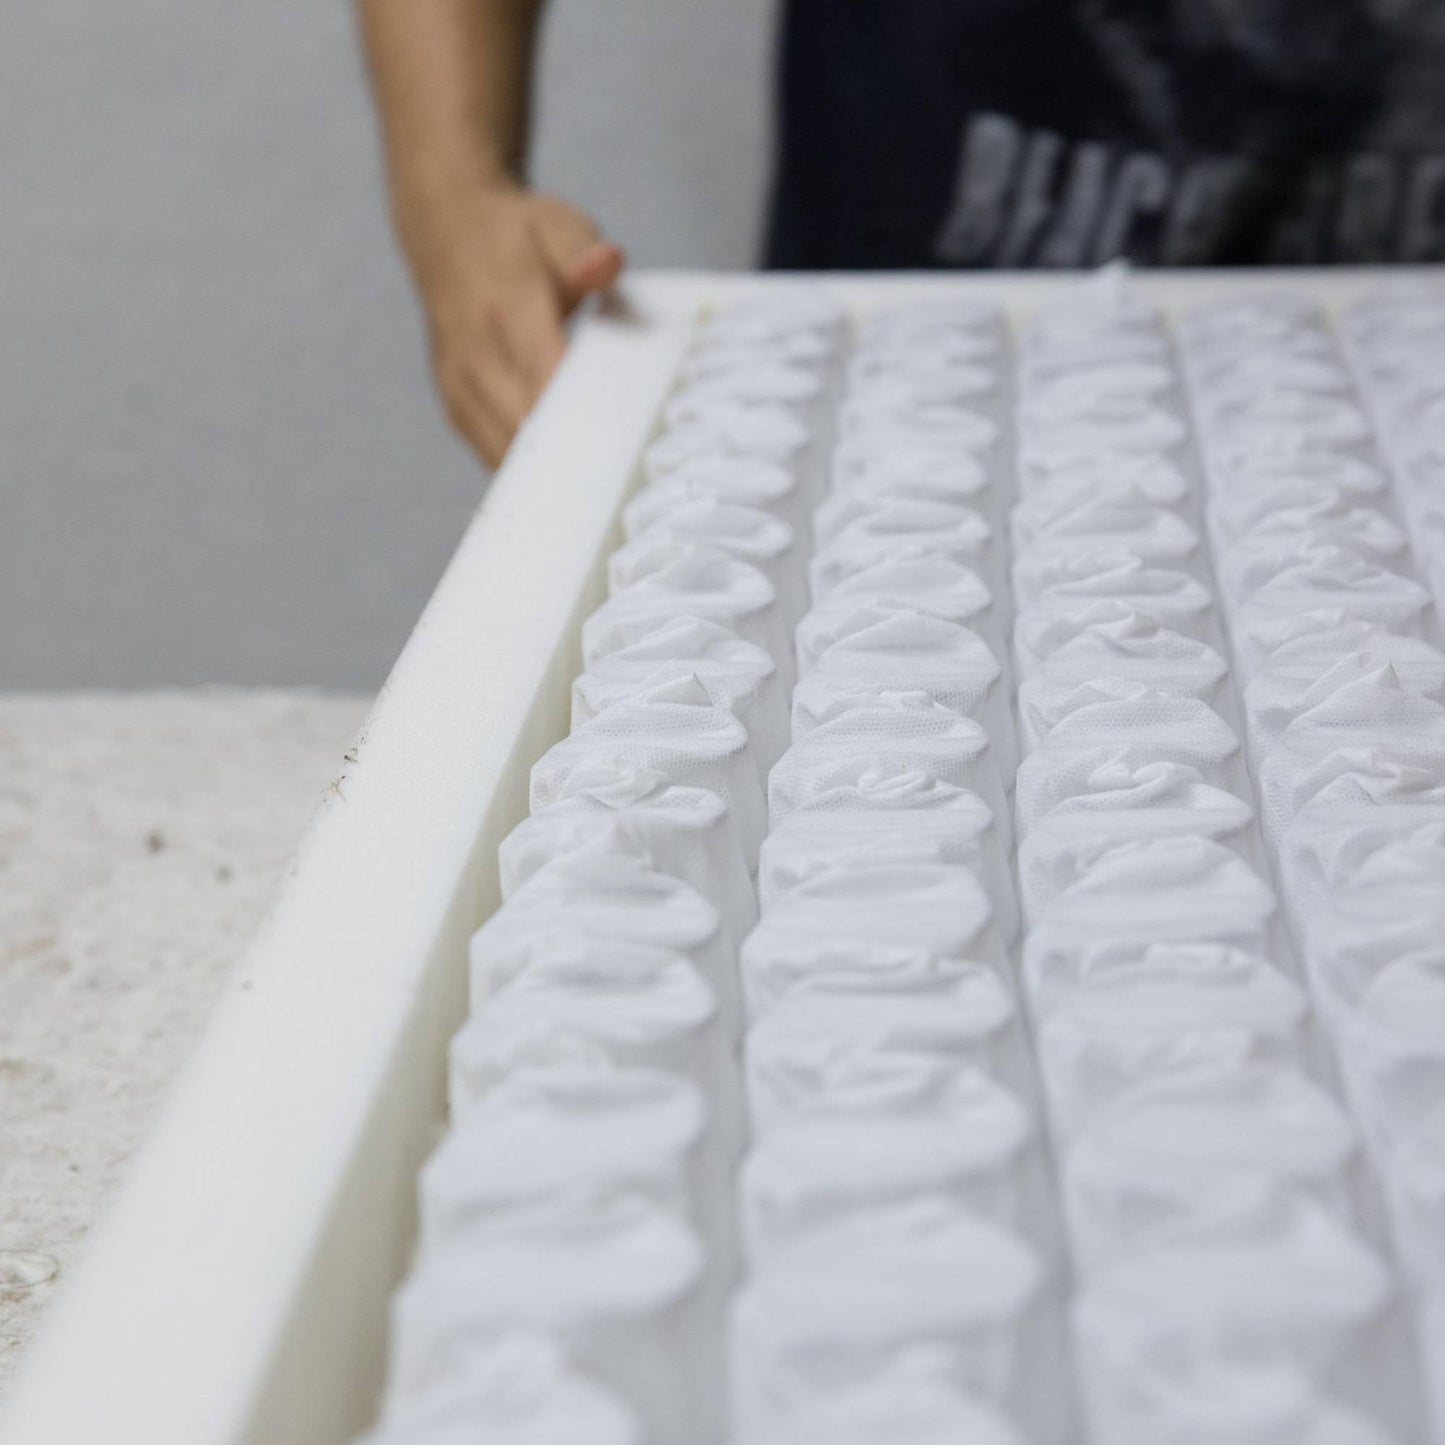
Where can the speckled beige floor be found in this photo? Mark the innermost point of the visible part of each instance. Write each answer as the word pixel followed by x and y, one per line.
pixel 141 835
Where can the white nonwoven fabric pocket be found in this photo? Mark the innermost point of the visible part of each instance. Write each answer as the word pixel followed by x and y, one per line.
pixel 1260 1119
pixel 1144 1388
pixel 752 533
pixel 925 360
pixel 938 482
pixel 1194 1383
pixel 1060 582
pixel 817 1166
pixel 1287 687
pixel 904 1065
pixel 1146 430
pixel 740 481
pixel 1242 325
pixel 1049 407
pixel 1232 420
pixel 896 378
pixel 1370 778
pixel 843 1306
pixel 1394 315
pixel 1091 1067
pixel 1412 416
pixel 1245 569
pixel 1108 638
pixel 1048 484
pixel 869 1002
pixel 744 533
pixel 1164 991
pixel 1418 458
pixel 732 349
pixel 900 530
pixel 1184 888
pixel 776 964
pixel 572 1126
pixel 1417 1180
pixel 599 892
pixel 900 733
pixel 1237 483
pixel 960 320
pixel 674 731
pixel 1362 872
pixel 1113 1214
pixel 1247 455
pixel 1394 1061
pixel 1098 324
pixel 684 832
pixel 918 1048
pixel 583 1000
pixel 766 381
pixel 953 316
pixel 1316 632
pixel 1075 358
pixel 1158 801
pixel 938 908
pixel 1081 753
pixel 738 677
pixel 912 1399
pixel 1333 852
pixel 910 652
pixel 1311 369
pixel 1351 942
pixel 849 505
pixel 1300 1292
pixel 1078 393
pixel 516 1386
pixel 893 1011
pixel 1153 533
pixel 921 335
pixel 1362 974
pixel 1145 718
pixel 912 381
pixel 1209 981
pixel 1046 704
pixel 616 1281
pixel 685 637
pixel 1360 726
pixel 885 418
pixel 699 584
pixel 1331 576
pixel 779 310
pixel 1269 520
pixel 1393 1049
pixel 920 581
pixel 887 820
pixel 736 429
pixel 1349 947
pixel 907 467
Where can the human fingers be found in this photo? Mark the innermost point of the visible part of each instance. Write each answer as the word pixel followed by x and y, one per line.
pixel 581 259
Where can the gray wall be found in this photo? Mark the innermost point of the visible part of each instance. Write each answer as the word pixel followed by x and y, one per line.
pixel 219 455
pixel 654 114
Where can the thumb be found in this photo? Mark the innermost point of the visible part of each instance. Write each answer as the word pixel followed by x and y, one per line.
pixel 580 258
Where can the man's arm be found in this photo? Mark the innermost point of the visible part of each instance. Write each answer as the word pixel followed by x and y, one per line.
pixel 498 267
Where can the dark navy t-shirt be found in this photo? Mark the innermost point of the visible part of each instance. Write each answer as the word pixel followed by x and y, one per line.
pixel 927 133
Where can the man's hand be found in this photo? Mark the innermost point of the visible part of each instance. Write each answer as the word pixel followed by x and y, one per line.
pixel 499 267
pixel 499 271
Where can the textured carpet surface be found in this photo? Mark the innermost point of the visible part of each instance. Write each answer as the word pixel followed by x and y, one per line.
pixel 141 837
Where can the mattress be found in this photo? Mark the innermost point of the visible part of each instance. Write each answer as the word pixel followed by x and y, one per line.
pixel 897 891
